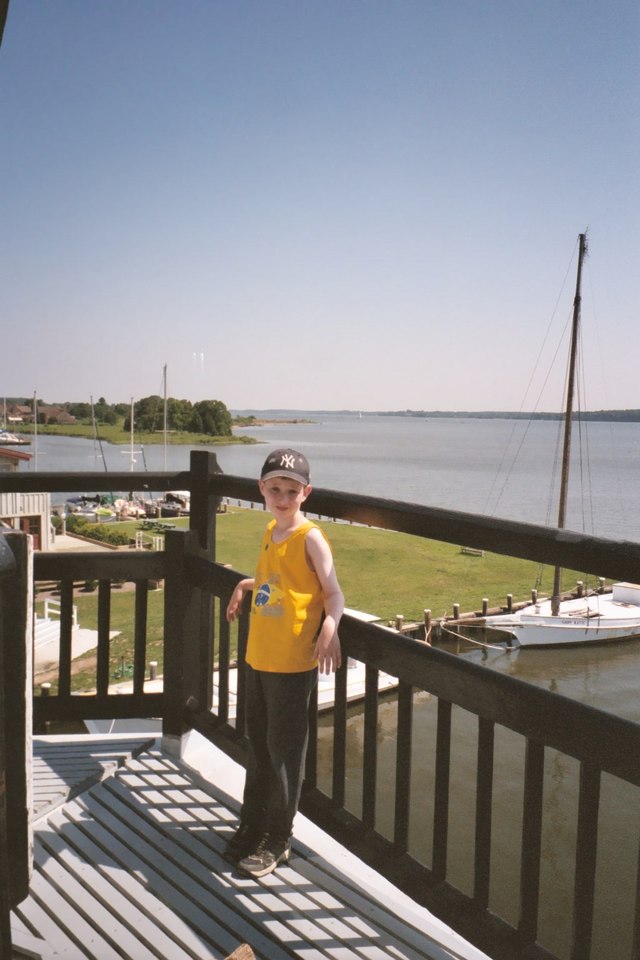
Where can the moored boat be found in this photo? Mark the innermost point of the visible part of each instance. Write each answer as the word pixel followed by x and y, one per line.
pixel 598 618
pixel 10 439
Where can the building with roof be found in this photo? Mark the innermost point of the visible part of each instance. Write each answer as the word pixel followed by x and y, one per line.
pixel 28 512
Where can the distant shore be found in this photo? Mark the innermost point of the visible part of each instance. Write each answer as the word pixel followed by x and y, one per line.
pixel 309 416
pixel 609 416
pixel 116 435
pixel 251 421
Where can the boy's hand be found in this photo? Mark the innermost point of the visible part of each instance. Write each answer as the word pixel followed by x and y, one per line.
pixel 234 607
pixel 327 650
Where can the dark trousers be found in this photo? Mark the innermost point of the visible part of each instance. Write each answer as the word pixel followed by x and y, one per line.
pixel 277 725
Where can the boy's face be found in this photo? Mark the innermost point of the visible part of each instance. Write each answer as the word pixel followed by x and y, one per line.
pixel 283 496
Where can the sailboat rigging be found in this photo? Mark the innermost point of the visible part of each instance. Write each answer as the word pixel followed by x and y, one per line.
pixel 164 415
pixel 97 441
pixel 568 417
pixel 132 450
pixel 595 618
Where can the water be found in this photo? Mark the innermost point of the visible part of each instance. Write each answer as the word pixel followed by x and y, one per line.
pixel 471 465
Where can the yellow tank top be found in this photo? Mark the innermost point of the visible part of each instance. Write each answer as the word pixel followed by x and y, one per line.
pixel 287 605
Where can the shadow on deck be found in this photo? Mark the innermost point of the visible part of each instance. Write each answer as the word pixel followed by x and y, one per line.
pixel 128 862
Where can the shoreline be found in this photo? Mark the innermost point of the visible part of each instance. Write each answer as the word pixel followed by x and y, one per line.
pixel 174 438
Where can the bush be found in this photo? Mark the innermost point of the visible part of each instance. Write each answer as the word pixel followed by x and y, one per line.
pixel 102 532
pixel 110 534
pixel 79 525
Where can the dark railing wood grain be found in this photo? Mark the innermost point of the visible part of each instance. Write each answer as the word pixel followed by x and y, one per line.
pixel 106 568
pixel 15 733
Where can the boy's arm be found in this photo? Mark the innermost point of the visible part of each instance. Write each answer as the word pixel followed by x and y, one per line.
pixel 235 604
pixel 327 651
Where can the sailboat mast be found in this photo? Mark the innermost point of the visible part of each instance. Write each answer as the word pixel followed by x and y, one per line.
pixel 133 459
pixel 35 431
pixel 97 442
pixel 164 424
pixel 568 417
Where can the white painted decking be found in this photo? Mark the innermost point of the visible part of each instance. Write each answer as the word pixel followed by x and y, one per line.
pixel 128 864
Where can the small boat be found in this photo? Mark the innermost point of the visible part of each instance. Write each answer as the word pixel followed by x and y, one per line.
pixel 175 503
pixel 10 439
pixel 129 509
pixel 598 617
pixel 95 509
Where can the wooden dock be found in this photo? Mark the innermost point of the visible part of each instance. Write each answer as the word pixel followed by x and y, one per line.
pixel 128 844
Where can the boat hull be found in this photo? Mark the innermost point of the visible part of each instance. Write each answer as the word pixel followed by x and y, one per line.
pixel 601 618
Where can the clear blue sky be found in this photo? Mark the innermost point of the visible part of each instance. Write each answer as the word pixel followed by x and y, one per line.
pixel 318 204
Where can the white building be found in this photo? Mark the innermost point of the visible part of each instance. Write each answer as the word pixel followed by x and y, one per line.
pixel 29 512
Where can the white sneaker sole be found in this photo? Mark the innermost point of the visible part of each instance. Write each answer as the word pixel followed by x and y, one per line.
pixel 263 871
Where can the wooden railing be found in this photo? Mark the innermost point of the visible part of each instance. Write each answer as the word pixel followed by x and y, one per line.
pixel 196 634
pixel 15 732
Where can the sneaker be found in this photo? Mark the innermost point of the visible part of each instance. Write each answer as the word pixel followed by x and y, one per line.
pixel 269 852
pixel 243 842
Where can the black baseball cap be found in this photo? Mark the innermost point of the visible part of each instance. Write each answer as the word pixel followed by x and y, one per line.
pixel 286 463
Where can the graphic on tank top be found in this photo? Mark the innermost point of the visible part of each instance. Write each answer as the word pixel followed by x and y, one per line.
pixel 268 598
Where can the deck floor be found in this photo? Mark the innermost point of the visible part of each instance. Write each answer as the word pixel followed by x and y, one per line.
pixel 128 863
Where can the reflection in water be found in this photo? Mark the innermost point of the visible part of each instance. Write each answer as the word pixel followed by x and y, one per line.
pixel 603 676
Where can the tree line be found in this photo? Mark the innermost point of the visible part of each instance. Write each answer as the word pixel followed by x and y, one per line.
pixel 209 417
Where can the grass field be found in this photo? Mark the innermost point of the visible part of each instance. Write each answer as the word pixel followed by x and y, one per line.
pixel 113 433
pixel 381 572
pixel 387 573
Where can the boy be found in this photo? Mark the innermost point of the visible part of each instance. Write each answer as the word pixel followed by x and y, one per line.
pixel 289 640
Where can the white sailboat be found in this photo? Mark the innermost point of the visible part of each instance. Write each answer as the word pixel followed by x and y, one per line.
pixel 596 618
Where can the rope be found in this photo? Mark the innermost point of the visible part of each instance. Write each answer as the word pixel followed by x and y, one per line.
pixel 479 643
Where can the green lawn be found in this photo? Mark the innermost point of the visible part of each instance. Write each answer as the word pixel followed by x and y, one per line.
pixel 387 573
pixel 113 433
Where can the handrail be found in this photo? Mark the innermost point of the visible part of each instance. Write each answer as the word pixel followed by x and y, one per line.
pixel 7 572
pixel 58 482
pixel 15 731
pixel 570 548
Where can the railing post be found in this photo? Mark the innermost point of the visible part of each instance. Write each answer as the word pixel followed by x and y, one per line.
pixel 16 680
pixel 179 602
pixel 204 505
pixel 202 522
